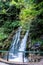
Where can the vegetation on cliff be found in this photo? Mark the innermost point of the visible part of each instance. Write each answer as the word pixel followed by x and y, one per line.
pixel 25 13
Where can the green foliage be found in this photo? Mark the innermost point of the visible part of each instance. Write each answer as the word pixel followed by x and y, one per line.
pixel 15 13
pixel 9 20
pixel 13 3
pixel 2 34
pixel 29 13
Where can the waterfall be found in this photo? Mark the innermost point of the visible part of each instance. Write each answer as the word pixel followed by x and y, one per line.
pixel 14 45
pixel 22 47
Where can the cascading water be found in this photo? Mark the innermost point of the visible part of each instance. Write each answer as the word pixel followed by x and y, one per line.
pixel 14 46
pixel 22 48
pixel 19 55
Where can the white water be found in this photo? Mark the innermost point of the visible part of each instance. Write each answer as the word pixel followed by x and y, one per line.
pixel 2 63
pixel 14 45
pixel 18 57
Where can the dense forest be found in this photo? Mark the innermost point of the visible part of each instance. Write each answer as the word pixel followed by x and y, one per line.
pixel 25 13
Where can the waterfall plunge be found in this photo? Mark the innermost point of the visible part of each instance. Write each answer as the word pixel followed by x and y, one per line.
pixel 14 45
pixel 18 57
